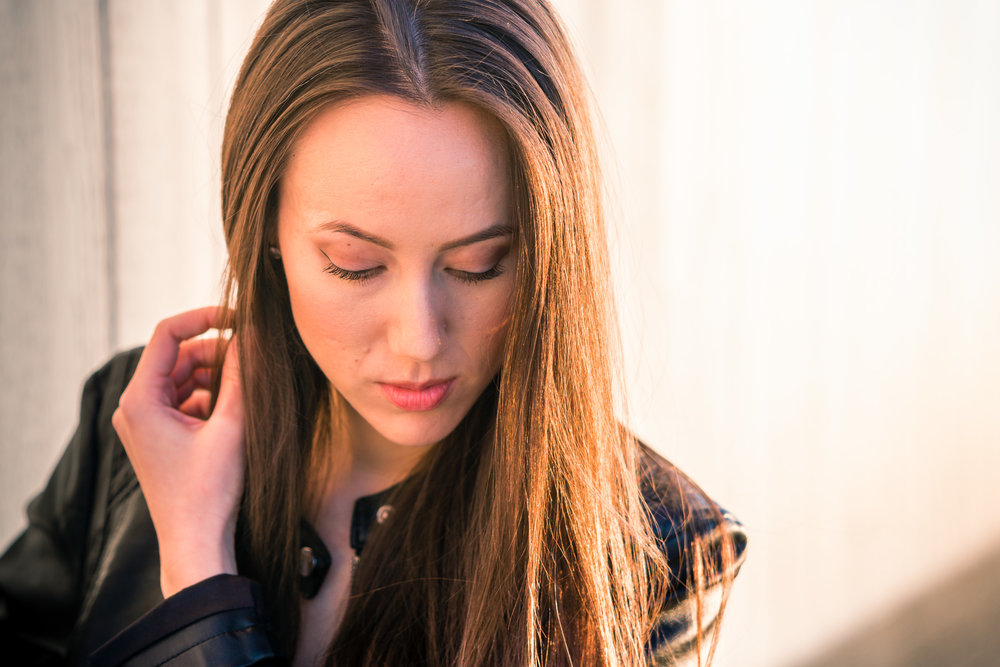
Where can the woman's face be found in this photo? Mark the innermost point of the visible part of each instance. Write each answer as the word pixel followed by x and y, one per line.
pixel 394 225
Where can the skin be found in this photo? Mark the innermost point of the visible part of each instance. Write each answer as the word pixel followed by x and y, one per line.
pixel 419 180
pixel 416 202
pixel 188 463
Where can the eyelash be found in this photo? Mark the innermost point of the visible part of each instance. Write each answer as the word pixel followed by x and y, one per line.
pixel 474 278
pixel 362 277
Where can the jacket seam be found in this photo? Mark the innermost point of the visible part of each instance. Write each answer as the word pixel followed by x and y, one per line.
pixel 203 641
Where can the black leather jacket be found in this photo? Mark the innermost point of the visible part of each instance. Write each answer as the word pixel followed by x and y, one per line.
pixel 81 584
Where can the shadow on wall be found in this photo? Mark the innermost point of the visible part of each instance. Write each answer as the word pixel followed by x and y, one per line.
pixel 956 624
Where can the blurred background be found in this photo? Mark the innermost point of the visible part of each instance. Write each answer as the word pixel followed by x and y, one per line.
pixel 807 206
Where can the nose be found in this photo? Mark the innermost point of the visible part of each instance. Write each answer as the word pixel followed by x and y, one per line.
pixel 418 329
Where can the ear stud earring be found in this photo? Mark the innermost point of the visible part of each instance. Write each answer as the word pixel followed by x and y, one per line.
pixel 274 252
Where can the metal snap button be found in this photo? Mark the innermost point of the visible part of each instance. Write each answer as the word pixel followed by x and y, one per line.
pixel 307 561
pixel 383 513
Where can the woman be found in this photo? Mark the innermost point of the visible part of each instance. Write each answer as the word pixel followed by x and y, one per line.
pixel 410 454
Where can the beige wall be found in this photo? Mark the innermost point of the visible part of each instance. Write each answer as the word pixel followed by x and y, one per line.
pixel 810 218
pixel 808 206
pixel 110 123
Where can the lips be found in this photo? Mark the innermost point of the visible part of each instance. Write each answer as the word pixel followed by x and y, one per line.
pixel 417 397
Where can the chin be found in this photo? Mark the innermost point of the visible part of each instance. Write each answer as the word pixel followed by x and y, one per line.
pixel 415 430
pixel 417 435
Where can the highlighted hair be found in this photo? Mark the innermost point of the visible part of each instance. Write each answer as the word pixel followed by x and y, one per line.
pixel 522 538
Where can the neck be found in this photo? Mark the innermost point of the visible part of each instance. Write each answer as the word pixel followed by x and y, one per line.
pixel 374 457
pixel 356 460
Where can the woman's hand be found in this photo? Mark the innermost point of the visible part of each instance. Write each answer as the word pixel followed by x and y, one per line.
pixel 189 463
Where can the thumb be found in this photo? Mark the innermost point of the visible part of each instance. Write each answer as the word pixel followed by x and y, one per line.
pixel 230 401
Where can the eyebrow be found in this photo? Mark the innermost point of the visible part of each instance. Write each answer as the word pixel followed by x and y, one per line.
pixel 492 232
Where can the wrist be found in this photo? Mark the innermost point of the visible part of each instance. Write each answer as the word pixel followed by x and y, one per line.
pixel 183 565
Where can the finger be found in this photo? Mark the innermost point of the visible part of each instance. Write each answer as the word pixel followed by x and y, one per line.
pixel 195 354
pixel 200 379
pixel 198 404
pixel 230 400
pixel 160 355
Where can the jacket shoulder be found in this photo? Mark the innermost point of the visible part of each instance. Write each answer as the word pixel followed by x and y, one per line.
pixel 110 380
pixel 704 546
pixel 46 571
pixel 98 402
pixel 685 518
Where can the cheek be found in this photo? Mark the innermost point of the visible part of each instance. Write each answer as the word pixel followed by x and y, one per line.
pixel 485 329
pixel 332 324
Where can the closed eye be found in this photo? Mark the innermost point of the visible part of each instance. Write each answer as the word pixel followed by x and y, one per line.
pixel 364 275
pixel 474 278
pixel 346 274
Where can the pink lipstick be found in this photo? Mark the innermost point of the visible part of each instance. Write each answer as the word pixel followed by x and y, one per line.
pixel 417 397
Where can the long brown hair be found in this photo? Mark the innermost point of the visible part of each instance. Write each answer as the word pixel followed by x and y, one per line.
pixel 522 538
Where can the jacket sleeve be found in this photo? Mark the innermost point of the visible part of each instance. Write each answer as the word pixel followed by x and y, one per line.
pixel 42 572
pixel 219 621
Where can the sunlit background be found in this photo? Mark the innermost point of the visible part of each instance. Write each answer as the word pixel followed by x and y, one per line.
pixel 807 208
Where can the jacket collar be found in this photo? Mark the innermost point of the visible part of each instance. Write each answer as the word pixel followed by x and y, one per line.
pixel 314 558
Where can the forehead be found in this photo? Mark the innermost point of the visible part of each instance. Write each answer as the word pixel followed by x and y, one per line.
pixel 392 167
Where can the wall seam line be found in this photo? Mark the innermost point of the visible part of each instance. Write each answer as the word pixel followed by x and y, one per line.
pixel 111 223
